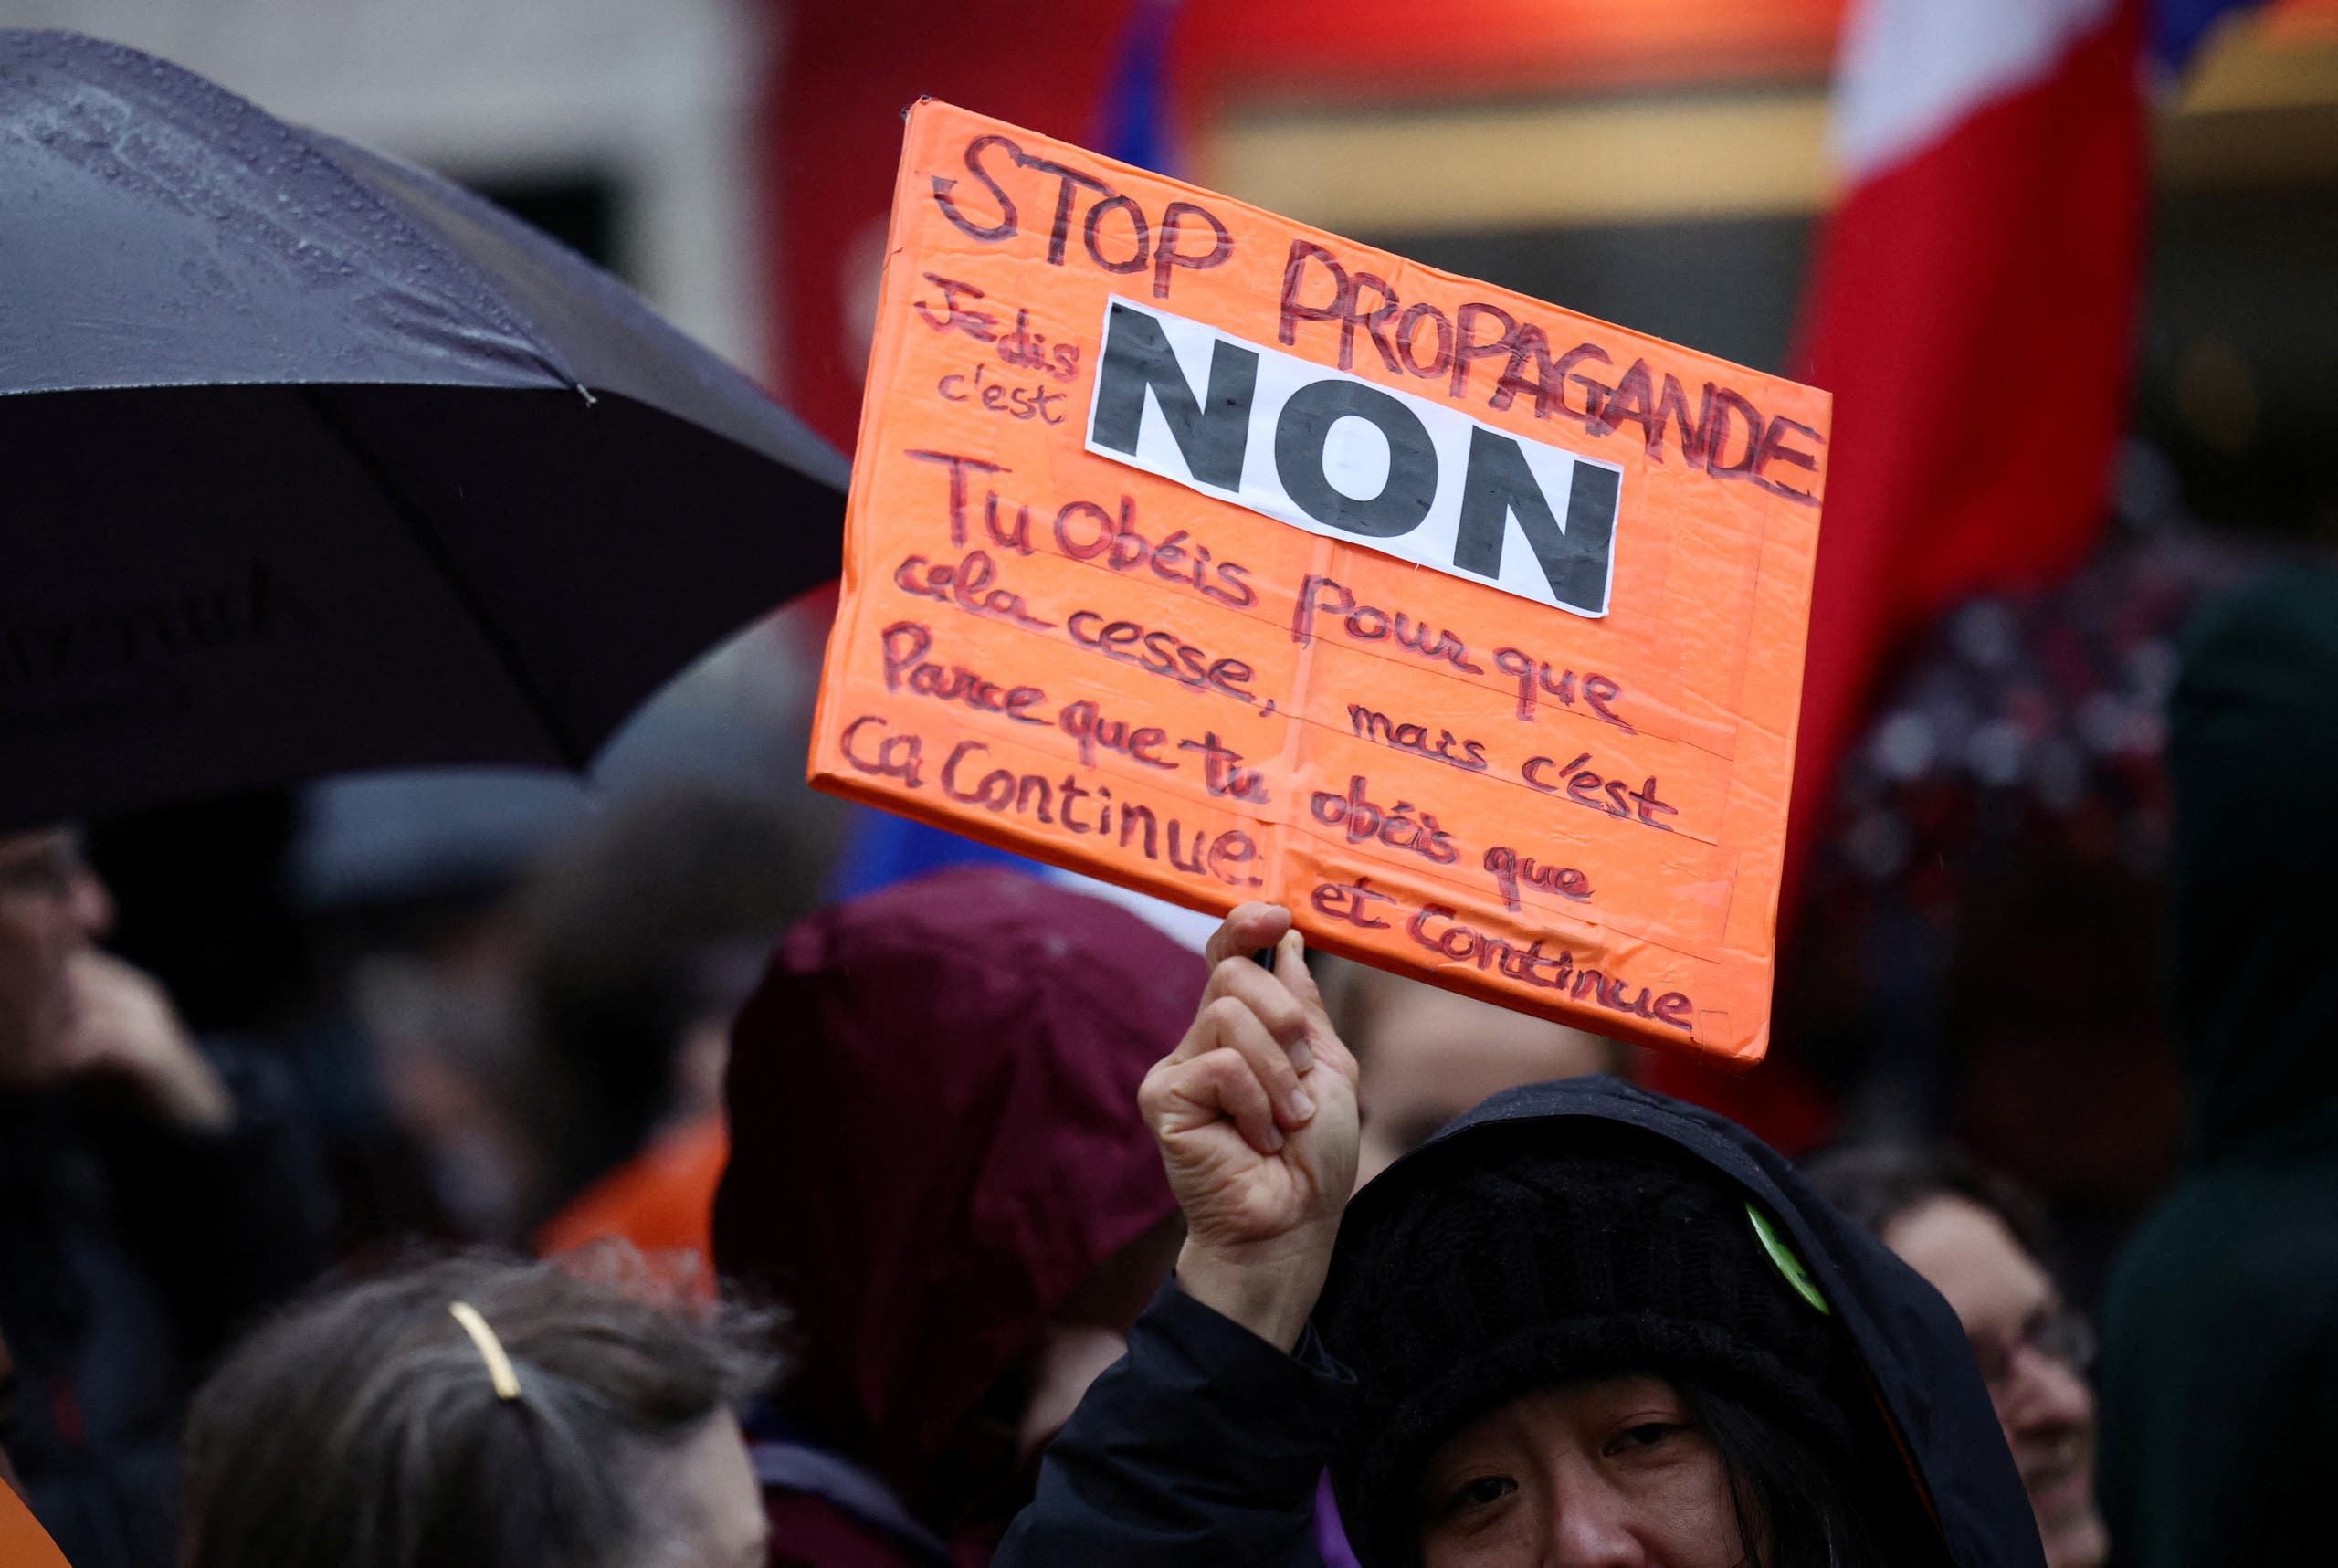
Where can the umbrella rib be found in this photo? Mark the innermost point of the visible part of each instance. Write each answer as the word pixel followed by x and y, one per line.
pixel 427 538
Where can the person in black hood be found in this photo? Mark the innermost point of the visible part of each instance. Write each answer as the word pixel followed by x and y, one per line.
pixel 2219 1370
pixel 1585 1326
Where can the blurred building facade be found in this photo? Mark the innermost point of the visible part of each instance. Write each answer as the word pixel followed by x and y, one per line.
pixel 626 125
pixel 1668 176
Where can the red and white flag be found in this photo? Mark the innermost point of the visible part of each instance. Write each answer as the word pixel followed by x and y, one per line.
pixel 1972 308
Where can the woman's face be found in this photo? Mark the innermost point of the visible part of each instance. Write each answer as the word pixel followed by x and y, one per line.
pixel 1611 1473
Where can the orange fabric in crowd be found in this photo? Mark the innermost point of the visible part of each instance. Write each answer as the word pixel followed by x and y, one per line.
pixel 661 1201
pixel 23 1542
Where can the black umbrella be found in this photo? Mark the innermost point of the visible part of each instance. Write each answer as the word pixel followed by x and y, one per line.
pixel 310 461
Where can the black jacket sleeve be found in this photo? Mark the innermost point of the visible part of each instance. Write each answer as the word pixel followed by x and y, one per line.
pixel 1200 1448
pixel 231 1223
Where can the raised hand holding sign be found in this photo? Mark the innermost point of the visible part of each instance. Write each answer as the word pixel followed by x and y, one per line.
pixel 1256 1114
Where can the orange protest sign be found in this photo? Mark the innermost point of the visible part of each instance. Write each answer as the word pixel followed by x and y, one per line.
pixel 1221 557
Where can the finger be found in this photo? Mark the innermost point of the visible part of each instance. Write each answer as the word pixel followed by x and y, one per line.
pixel 1290 969
pixel 1292 973
pixel 1222 1086
pixel 1257 988
pixel 1245 929
pixel 1234 1019
pixel 1179 1097
pixel 1237 1027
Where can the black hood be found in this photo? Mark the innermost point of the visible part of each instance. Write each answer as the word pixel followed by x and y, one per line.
pixel 1900 1331
pixel 2252 754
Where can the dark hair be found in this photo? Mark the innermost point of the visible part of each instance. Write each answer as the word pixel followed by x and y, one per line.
pixel 363 1429
pixel 1874 1184
pixel 627 929
pixel 1812 1510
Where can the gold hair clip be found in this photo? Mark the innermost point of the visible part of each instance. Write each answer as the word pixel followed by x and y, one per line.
pixel 491 1349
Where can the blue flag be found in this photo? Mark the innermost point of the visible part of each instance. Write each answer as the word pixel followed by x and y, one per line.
pixel 2179 27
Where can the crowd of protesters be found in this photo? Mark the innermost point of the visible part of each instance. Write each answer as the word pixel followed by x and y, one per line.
pixel 994 1224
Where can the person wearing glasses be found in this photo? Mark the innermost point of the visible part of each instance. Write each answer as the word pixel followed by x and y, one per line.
pixel 1981 1243
pixel 155 1195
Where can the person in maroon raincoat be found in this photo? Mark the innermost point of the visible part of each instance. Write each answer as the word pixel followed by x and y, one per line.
pixel 940 1169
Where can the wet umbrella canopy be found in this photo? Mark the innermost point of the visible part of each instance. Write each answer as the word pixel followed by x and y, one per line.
pixel 315 462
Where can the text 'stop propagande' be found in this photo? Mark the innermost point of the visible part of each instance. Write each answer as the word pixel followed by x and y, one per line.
pixel 1223 558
